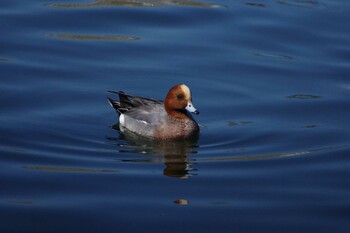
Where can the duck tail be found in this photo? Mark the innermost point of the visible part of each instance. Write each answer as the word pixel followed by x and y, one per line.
pixel 117 106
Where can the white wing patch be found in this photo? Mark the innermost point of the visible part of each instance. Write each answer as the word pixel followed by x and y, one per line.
pixel 122 119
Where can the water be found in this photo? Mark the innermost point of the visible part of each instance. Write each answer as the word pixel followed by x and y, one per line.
pixel 270 78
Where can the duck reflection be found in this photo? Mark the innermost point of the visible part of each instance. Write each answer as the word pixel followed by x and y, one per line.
pixel 174 154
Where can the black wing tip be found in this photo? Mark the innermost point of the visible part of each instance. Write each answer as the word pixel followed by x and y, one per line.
pixel 114 104
pixel 110 101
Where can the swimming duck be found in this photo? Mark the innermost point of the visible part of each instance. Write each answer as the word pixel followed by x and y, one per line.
pixel 157 119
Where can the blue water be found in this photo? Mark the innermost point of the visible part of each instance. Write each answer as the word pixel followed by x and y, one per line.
pixel 270 78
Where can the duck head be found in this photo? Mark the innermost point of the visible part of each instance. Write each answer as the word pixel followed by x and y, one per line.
pixel 179 101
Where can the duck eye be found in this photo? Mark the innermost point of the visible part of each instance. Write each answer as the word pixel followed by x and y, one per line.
pixel 180 96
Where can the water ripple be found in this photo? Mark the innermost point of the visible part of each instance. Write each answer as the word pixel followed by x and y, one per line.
pixel 300 3
pixel 134 3
pixel 274 56
pixel 271 156
pixel 66 169
pixel 93 37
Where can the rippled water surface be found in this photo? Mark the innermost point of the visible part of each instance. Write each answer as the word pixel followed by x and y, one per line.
pixel 270 78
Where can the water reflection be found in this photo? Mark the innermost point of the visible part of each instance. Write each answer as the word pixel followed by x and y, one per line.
pixel 135 3
pixel 174 154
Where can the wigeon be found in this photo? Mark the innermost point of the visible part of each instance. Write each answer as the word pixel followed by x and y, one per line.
pixel 157 119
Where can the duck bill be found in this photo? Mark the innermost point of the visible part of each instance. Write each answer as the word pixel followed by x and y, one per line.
pixel 191 108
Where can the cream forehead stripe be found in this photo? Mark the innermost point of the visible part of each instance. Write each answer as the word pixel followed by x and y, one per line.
pixel 186 90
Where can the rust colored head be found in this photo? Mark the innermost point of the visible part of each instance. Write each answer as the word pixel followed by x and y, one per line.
pixel 178 101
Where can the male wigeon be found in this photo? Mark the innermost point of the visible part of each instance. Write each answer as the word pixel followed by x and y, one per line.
pixel 163 120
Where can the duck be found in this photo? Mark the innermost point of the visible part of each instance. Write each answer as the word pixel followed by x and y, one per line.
pixel 170 119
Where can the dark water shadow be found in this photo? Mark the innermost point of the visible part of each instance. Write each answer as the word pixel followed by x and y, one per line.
pixel 174 154
pixel 134 3
pixel 21 202
pixel 303 97
pixel 4 60
pixel 255 4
